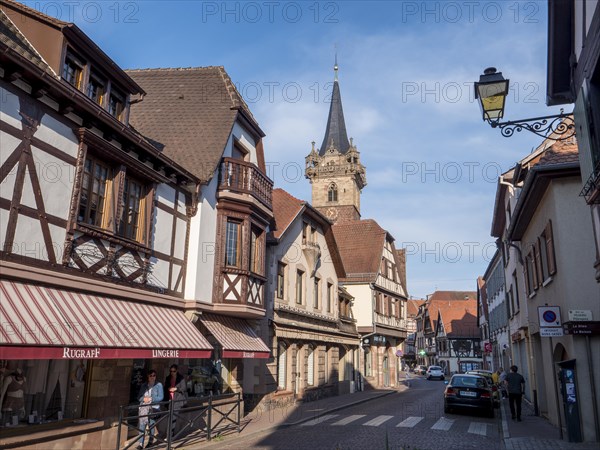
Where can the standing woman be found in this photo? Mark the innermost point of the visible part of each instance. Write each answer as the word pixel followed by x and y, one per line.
pixel 151 393
pixel 176 387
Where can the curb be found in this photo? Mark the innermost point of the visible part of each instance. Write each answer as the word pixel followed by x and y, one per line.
pixel 209 444
pixel 505 432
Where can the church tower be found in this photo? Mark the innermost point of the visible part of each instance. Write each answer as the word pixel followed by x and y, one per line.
pixel 335 171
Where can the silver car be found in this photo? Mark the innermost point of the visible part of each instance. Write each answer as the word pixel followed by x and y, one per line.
pixel 435 372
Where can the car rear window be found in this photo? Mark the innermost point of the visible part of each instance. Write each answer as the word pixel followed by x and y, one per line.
pixel 468 382
pixel 435 368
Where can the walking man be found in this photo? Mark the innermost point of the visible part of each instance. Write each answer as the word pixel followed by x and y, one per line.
pixel 515 384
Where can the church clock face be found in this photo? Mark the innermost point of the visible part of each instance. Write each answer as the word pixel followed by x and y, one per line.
pixel 332 213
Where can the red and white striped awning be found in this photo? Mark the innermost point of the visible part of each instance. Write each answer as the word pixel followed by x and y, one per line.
pixel 39 322
pixel 236 336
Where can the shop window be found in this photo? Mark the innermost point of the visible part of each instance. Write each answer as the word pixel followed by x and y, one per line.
pixel 282 366
pixel 232 244
pixel 39 391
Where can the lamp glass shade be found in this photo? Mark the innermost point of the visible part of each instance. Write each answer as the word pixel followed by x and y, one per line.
pixel 491 90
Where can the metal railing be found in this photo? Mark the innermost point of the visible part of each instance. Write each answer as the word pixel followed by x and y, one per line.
pixel 170 426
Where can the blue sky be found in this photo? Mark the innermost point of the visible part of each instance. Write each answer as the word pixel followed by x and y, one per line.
pixel 406 73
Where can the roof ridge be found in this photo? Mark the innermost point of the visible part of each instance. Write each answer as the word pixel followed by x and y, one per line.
pixel 173 69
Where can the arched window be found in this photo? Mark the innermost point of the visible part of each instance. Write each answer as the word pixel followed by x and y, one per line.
pixel 332 193
pixel 281 366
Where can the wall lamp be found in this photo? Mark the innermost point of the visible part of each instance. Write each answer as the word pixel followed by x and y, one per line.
pixel 491 91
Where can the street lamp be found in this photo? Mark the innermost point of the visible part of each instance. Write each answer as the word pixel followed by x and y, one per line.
pixel 492 89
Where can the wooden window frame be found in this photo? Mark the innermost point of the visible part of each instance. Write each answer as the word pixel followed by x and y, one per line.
pixel 236 240
pixel 97 80
pixel 120 100
pixel 256 260
pixel 280 286
pixel 130 229
pixel 72 61
pixel 101 210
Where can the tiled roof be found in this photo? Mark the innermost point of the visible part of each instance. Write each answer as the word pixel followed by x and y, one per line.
pixel 561 152
pixel 336 126
pixel 459 318
pixel 412 306
pixel 360 244
pixel 285 209
pixel 453 295
pixel 190 112
pixel 11 37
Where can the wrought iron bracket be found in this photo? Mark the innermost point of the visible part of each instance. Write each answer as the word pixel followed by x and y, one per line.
pixel 558 127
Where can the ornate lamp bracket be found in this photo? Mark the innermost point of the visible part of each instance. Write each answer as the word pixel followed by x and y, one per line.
pixel 558 127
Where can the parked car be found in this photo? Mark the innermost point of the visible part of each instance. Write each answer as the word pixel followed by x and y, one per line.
pixel 469 391
pixel 488 376
pixel 435 372
pixel 421 370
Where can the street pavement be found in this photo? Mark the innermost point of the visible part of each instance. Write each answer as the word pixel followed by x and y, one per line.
pixel 533 433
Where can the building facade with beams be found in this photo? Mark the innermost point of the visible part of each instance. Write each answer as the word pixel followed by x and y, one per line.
pixel 309 321
pixel 220 142
pixel 94 222
pixel 369 257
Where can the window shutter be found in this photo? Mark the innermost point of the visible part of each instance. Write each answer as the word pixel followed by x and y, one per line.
pixel 526 277
pixel 550 249
pixel 311 368
pixel 532 266
pixel 281 369
pixel 538 262
pixel 108 218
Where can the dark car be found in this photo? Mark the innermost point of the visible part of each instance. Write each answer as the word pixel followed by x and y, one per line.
pixel 488 376
pixel 467 391
pixel 421 370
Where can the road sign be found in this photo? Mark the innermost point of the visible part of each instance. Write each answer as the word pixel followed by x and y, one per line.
pixel 549 316
pixel 551 332
pixel 588 327
pixel 580 315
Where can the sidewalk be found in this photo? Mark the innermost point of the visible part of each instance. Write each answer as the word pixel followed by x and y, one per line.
pixel 261 421
pixel 534 432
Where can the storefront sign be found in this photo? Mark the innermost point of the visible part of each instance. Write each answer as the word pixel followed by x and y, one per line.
pixel 31 352
pixel 242 354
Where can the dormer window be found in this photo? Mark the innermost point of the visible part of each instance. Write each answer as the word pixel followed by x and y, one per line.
pixel 116 104
pixel 96 89
pixel 73 70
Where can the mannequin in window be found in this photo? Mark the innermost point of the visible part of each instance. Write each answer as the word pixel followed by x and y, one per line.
pixel 12 396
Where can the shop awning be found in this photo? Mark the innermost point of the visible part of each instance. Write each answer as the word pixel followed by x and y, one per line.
pixel 39 322
pixel 236 336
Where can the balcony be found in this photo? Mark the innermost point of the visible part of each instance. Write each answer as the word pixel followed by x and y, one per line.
pixel 591 188
pixel 397 326
pixel 241 177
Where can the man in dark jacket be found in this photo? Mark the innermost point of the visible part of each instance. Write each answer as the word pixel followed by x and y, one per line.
pixel 515 385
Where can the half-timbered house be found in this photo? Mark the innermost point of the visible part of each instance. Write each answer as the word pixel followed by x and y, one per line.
pixel 202 122
pixel 94 228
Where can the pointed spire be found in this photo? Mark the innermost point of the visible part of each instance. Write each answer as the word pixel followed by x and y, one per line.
pixel 336 126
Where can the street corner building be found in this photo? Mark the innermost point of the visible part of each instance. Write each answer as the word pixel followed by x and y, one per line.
pixel 121 249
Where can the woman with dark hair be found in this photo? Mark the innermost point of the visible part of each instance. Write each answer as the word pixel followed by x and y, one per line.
pixel 175 390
